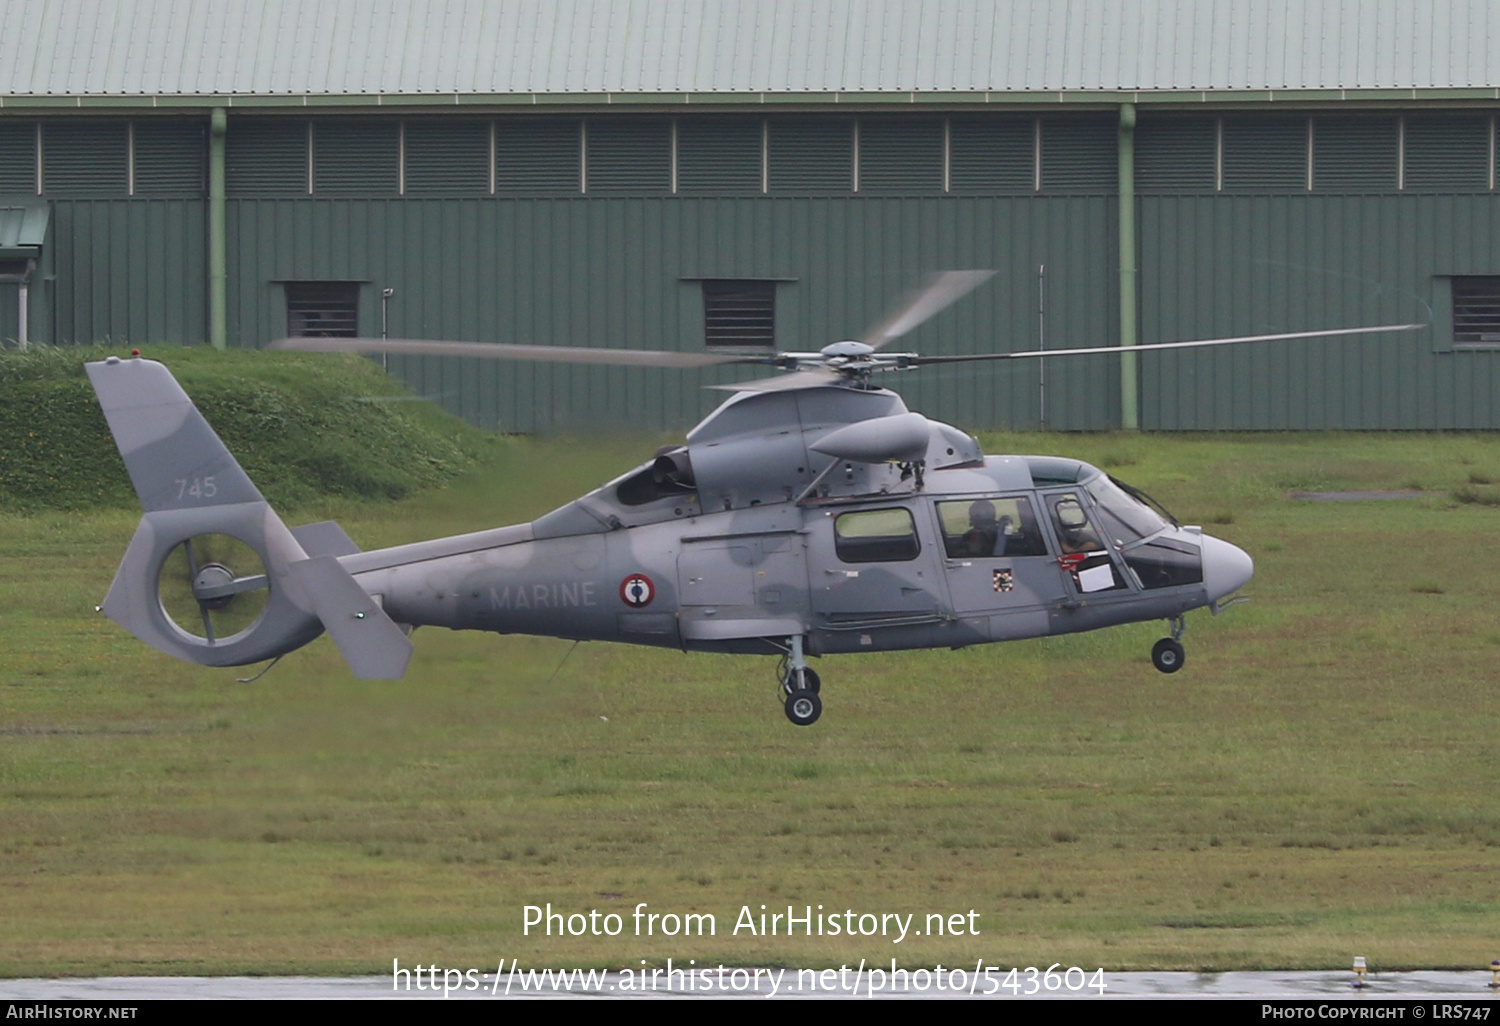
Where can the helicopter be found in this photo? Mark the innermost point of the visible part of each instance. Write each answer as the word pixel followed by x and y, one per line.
pixel 811 513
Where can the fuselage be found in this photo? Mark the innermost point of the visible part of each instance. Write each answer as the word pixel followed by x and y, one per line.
pixel 998 549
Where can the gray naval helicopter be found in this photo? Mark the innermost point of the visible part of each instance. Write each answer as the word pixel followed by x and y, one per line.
pixel 809 514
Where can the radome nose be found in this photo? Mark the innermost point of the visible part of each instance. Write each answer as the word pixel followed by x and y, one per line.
pixel 1226 568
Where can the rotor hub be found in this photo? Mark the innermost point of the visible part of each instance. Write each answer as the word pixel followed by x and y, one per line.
pixel 209 586
pixel 849 349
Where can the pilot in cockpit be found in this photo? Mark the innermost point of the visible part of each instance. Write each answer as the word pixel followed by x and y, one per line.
pixel 986 535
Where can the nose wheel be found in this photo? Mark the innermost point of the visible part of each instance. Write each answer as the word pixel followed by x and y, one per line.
pixel 800 686
pixel 1167 654
pixel 803 707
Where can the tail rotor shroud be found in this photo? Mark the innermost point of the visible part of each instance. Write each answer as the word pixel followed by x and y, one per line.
pixel 213 586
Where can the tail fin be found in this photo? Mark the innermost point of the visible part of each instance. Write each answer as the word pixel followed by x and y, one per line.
pixel 212 575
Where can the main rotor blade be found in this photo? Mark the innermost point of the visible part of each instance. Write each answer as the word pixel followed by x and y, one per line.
pixel 786 382
pixel 511 351
pixel 922 361
pixel 935 295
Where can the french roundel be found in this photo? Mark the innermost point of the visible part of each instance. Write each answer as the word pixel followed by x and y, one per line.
pixel 637 591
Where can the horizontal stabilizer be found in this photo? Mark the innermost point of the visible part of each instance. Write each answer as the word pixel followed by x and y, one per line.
pixel 325 538
pixel 370 642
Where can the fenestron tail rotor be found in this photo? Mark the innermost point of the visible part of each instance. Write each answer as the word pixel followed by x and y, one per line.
pixel 213 587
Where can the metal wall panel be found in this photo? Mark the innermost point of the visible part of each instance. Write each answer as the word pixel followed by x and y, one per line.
pixel 1230 265
pixel 1176 154
pixel 10 313
pixel 266 157
pixel 719 156
pixel 129 270
pixel 811 156
pixel 537 157
pixel 447 157
pixel 356 157
pixel 629 156
pixel 901 156
pixel 17 158
pixel 1079 154
pixel 171 157
pixel 1357 154
pixel 992 155
pixel 1447 153
pixel 1265 153
pixel 626 272
pixel 85 158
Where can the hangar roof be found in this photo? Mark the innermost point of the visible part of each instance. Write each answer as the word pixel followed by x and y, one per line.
pixel 84 52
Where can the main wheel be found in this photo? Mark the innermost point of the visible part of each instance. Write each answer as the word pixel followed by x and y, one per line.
pixel 804 707
pixel 1167 655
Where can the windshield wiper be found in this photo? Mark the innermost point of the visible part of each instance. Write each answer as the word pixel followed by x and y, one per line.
pixel 1144 499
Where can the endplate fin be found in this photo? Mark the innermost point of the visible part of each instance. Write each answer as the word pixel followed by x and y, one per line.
pixel 369 640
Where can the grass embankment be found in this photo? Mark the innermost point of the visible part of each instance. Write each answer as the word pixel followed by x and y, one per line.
pixel 303 426
pixel 1317 782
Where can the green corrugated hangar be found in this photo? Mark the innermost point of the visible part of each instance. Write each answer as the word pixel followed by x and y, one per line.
pixel 758 174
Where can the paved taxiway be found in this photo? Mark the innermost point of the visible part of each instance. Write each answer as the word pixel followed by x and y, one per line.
pixel 1304 986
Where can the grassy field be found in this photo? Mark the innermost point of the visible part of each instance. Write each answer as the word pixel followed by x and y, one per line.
pixel 1318 782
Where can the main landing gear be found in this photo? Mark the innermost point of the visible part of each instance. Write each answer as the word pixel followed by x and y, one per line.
pixel 1167 654
pixel 800 686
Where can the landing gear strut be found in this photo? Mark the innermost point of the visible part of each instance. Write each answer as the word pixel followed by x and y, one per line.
pixel 800 686
pixel 1167 654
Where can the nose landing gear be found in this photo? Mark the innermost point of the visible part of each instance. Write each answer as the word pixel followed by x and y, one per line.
pixel 1167 654
pixel 800 686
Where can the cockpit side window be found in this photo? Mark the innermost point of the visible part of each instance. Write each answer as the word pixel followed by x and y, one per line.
pixel 1084 556
pixel 990 527
pixel 1074 531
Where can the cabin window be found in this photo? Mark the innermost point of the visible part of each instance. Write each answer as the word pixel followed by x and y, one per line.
pixel 990 527
pixel 876 536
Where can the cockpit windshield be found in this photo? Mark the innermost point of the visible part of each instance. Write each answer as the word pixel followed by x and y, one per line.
pixel 1124 517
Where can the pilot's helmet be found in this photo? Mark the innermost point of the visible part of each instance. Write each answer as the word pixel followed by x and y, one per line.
pixel 982 513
